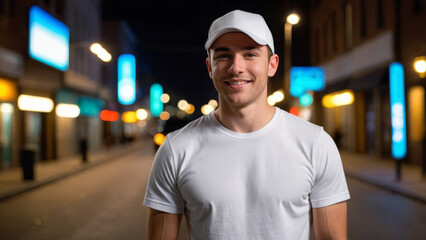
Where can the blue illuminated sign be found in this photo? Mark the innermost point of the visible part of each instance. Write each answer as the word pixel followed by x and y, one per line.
pixel 397 102
pixel 90 107
pixel 126 79
pixel 304 79
pixel 156 104
pixel 48 39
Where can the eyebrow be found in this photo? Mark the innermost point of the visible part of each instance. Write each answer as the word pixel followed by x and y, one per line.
pixel 225 49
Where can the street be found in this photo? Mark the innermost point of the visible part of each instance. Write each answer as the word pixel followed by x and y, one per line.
pixel 105 202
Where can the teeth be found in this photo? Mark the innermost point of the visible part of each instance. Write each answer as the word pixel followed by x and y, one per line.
pixel 237 82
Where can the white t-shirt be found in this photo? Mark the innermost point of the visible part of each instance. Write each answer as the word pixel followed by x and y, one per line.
pixel 256 185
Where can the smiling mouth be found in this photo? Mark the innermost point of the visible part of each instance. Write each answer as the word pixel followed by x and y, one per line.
pixel 237 82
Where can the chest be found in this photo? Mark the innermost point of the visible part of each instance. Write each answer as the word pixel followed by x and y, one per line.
pixel 244 173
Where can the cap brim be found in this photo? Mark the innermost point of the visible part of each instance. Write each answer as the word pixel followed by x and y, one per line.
pixel 217 34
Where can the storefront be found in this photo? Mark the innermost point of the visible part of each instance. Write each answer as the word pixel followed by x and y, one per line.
pixel 8 140
pixel 11 68
pixel 364 125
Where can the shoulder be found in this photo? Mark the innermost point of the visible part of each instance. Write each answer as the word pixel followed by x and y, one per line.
pixel 190 131
pixel 298 126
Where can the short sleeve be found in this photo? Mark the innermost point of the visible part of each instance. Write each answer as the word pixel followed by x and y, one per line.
pixel 330 183
pixel 162 193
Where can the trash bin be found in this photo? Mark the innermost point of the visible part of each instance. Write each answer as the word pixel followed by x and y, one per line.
pixel 27 163
pixel 83 150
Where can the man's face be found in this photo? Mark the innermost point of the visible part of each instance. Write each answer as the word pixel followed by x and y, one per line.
pixel 240 68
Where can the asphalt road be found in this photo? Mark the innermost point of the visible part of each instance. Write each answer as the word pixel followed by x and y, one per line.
pixel 105 202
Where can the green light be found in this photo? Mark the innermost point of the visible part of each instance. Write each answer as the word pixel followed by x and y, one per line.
pixel 306 100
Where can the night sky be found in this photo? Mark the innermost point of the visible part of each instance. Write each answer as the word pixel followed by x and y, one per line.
pixel 172 36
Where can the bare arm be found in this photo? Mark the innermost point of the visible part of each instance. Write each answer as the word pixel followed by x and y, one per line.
pixel 331 222
pixel 162 225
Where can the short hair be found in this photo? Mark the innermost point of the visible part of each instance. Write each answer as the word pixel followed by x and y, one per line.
pixel 269 52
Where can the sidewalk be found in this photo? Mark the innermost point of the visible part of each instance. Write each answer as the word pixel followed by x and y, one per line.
pixel 12 183
pixel 376 171
pixel 382 173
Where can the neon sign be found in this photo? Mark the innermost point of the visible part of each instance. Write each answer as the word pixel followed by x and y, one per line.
pixel 126 79
pixel 397 102
pixel 156 105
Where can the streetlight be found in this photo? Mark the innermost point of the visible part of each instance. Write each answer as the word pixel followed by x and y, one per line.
pixel 291 20
pixel 101 52
pixel 420 66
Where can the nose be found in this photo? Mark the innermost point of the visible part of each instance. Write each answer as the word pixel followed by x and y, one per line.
pixel 237 65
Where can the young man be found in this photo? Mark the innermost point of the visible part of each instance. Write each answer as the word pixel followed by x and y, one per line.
pixel 248 170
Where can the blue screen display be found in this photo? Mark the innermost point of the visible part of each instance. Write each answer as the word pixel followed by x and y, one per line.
pixel 397 102
pixel 126 79
pixel 304 79
pixel 48 39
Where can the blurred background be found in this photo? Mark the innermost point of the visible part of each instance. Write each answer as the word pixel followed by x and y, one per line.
pixel 89 89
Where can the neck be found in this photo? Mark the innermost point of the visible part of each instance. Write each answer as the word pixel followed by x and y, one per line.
pixel 245 119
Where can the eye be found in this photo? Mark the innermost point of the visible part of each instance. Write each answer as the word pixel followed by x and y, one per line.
pixel 223 56
pixel 250 55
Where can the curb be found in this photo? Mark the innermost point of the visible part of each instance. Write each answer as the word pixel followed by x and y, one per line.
pixel 386 186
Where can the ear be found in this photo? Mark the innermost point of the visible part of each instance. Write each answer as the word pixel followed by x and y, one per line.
pixel 209 66
pixel 273 65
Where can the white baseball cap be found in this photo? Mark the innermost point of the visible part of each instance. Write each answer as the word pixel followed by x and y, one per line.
pixel 240 21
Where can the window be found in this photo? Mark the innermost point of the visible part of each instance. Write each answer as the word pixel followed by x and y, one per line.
pixel 7 8
pixel 348 25
pixel 419 5
pixel 333 29
pixel 2 8
pixel 380 17
pixel 325 39
pixel 363 24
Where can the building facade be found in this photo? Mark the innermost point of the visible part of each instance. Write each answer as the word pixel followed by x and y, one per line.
pixel 355 41
pixel 47 134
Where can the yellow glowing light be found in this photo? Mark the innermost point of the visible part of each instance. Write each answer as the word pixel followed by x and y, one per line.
pixel 67 110
pixel 271 100
pixel 416 109
pixel 34 103
pixel 165 116
pixel 206 109
pixel 293 18
pixel 278 96
pixel 213 103
pixel 182 105
pixel 129 117
pixel 159 138
pixel 142 114
pixel 96 48
pixel 190 109
pixel 165 98
pixel 420 66
pixel 6 108
pixel 336 99
pixel 7 91
pixel 103 54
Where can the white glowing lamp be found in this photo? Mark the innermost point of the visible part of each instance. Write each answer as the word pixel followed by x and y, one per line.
pixel 34 103
pixel 67 110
